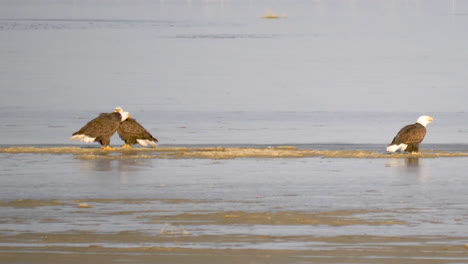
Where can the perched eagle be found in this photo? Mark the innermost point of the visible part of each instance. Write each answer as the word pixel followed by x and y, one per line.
pixel 101 128
pixel 410 136
pixel 132 133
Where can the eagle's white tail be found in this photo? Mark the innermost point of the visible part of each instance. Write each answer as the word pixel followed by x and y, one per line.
pixel 153 144
pixel 395 147
pixel 146 142
pixel 83 138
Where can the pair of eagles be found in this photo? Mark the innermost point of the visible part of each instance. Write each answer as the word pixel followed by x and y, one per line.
pixel 104 126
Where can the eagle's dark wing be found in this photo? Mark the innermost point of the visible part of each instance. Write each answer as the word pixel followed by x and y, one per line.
pixel 410 134
pixel 100 129
pixel 103 125
pixel 132 132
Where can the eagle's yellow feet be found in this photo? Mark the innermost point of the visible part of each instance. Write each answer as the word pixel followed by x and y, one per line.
pixel 108 148
pixel 127 146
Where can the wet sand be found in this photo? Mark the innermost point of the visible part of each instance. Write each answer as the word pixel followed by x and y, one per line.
pixel 221 152
pixel 365 249
pixel 174 242
pixel 379 250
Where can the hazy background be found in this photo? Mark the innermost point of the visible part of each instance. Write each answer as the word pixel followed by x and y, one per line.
pixel 194 64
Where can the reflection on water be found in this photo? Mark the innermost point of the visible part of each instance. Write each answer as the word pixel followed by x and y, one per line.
pixel 409 166
pixel 411 162
pixel 108 164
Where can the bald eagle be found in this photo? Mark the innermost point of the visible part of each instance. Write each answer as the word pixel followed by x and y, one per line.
pixel 131 132
pixel 101 128
pixel 410 136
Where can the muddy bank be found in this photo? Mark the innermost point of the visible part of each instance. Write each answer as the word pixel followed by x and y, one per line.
pixel 129 247
pixel 197 235
pixel 198 217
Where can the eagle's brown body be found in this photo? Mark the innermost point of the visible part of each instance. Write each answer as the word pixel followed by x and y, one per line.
pixel 100 128
pixel 411 135
pixel 132 133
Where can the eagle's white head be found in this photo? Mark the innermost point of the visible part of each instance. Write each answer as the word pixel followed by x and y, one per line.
pixel 424 120
pixel 125 115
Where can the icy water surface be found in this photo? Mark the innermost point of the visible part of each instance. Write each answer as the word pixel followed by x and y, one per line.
pixel 222 56
pixel 272 131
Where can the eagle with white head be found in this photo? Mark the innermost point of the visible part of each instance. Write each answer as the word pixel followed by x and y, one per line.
pixel 410 136
pixel 101 128
pixel 132 132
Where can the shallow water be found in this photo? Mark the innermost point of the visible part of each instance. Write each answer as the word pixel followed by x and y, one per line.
pixel 277 197
pixel 272 132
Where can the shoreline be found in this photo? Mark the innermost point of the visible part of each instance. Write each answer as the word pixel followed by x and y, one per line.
pixel 109 248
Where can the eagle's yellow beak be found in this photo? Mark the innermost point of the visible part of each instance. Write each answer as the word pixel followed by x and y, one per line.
pixel 129 116
pixel 430 119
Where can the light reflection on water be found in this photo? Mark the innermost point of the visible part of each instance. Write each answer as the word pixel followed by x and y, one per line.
pixel 115 165
pixel 202 72
pixel 410 167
